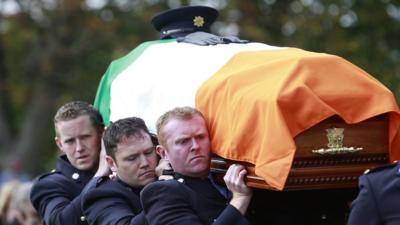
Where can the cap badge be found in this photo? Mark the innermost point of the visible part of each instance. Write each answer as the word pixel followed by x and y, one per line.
pixel 198 21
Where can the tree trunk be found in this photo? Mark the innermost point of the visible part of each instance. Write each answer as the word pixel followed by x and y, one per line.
pixel 36 123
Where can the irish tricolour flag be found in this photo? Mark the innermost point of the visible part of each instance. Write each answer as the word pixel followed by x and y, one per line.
pixel 255 97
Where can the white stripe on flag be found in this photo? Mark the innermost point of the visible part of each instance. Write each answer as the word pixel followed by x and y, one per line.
pixel 168 75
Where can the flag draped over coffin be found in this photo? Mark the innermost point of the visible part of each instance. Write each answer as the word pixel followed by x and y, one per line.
pixel 255 97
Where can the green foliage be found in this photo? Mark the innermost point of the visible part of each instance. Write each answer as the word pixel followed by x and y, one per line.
pixel 67 46
pixel 364 32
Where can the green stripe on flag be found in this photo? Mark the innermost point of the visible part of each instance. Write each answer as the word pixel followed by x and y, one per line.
pixel 102 100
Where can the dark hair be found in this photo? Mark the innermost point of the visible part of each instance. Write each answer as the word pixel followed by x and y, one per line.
pixel 127 127
pixel 73 110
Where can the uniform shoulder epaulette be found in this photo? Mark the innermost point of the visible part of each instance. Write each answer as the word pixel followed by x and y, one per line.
pixel 380 168
pixel 47 174
pixel 101 180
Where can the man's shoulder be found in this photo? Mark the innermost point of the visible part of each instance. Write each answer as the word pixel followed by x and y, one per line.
pixel 57 181
pixel 49 177
pixel 105 184
pixel 104 187
pixel 382 169
pixel 161 183
pixel 49 184
pixel 166 192
pixel 383 173
pixel 163 187
pixel 104 192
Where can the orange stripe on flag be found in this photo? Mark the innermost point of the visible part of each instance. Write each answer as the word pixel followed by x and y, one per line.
pixel 260 100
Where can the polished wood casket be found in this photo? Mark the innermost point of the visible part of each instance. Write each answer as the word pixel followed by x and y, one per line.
pixel 329 155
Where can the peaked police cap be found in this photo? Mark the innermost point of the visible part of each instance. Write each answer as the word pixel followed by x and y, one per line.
pixel 184 20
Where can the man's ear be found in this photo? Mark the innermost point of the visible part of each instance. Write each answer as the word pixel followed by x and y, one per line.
pixel 161 151
pixel 111 163
pixel 58 143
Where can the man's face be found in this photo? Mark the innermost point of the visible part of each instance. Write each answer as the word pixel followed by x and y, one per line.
pixel 135 160
pixel 187 146
pixel 80 141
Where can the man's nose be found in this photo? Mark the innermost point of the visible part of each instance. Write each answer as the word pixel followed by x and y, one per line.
pixel 79 146
pixel 195 145
pixel 144 160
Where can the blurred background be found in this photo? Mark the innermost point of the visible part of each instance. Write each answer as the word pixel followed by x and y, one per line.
pixel 54 51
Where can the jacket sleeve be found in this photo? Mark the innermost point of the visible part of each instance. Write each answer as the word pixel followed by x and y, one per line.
pixel 54 203
pixel 364 208
pixel 231 215
pixel 107 206
pixel 170 204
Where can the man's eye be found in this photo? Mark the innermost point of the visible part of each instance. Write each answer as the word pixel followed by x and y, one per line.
pixel 149 152
pixel 132 158
pixel 84 137
pixel 69 141
pixel 183 141
pixel 200 136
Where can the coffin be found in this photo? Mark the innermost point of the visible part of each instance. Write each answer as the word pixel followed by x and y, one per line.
pixel 319 164
pixel 265 106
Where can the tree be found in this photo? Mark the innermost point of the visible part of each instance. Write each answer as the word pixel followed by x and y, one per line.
pixel 365 33
pixel 52 54
pixel 53 51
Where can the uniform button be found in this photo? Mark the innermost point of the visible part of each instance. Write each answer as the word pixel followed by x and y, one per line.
pixel 75 176
pixel 53 170
pixel 367 171
pixel 180 180
pixel 83 218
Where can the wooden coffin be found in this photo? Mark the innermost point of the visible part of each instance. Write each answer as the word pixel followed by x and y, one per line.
pixel 323 164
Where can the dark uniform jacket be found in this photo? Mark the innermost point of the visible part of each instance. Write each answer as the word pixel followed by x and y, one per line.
pixel 188 201
pixel 301 207
pixel 111 201
pixel 57 195
pixel 378 201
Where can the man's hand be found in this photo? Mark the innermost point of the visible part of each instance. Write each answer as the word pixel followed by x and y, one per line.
pixel 162 166
pixel 104 169
pixel 234 180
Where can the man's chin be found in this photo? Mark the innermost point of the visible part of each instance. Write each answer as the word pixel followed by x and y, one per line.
pixel 200 171
pixel 84 167
pixel 199 161
pixel 148 181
